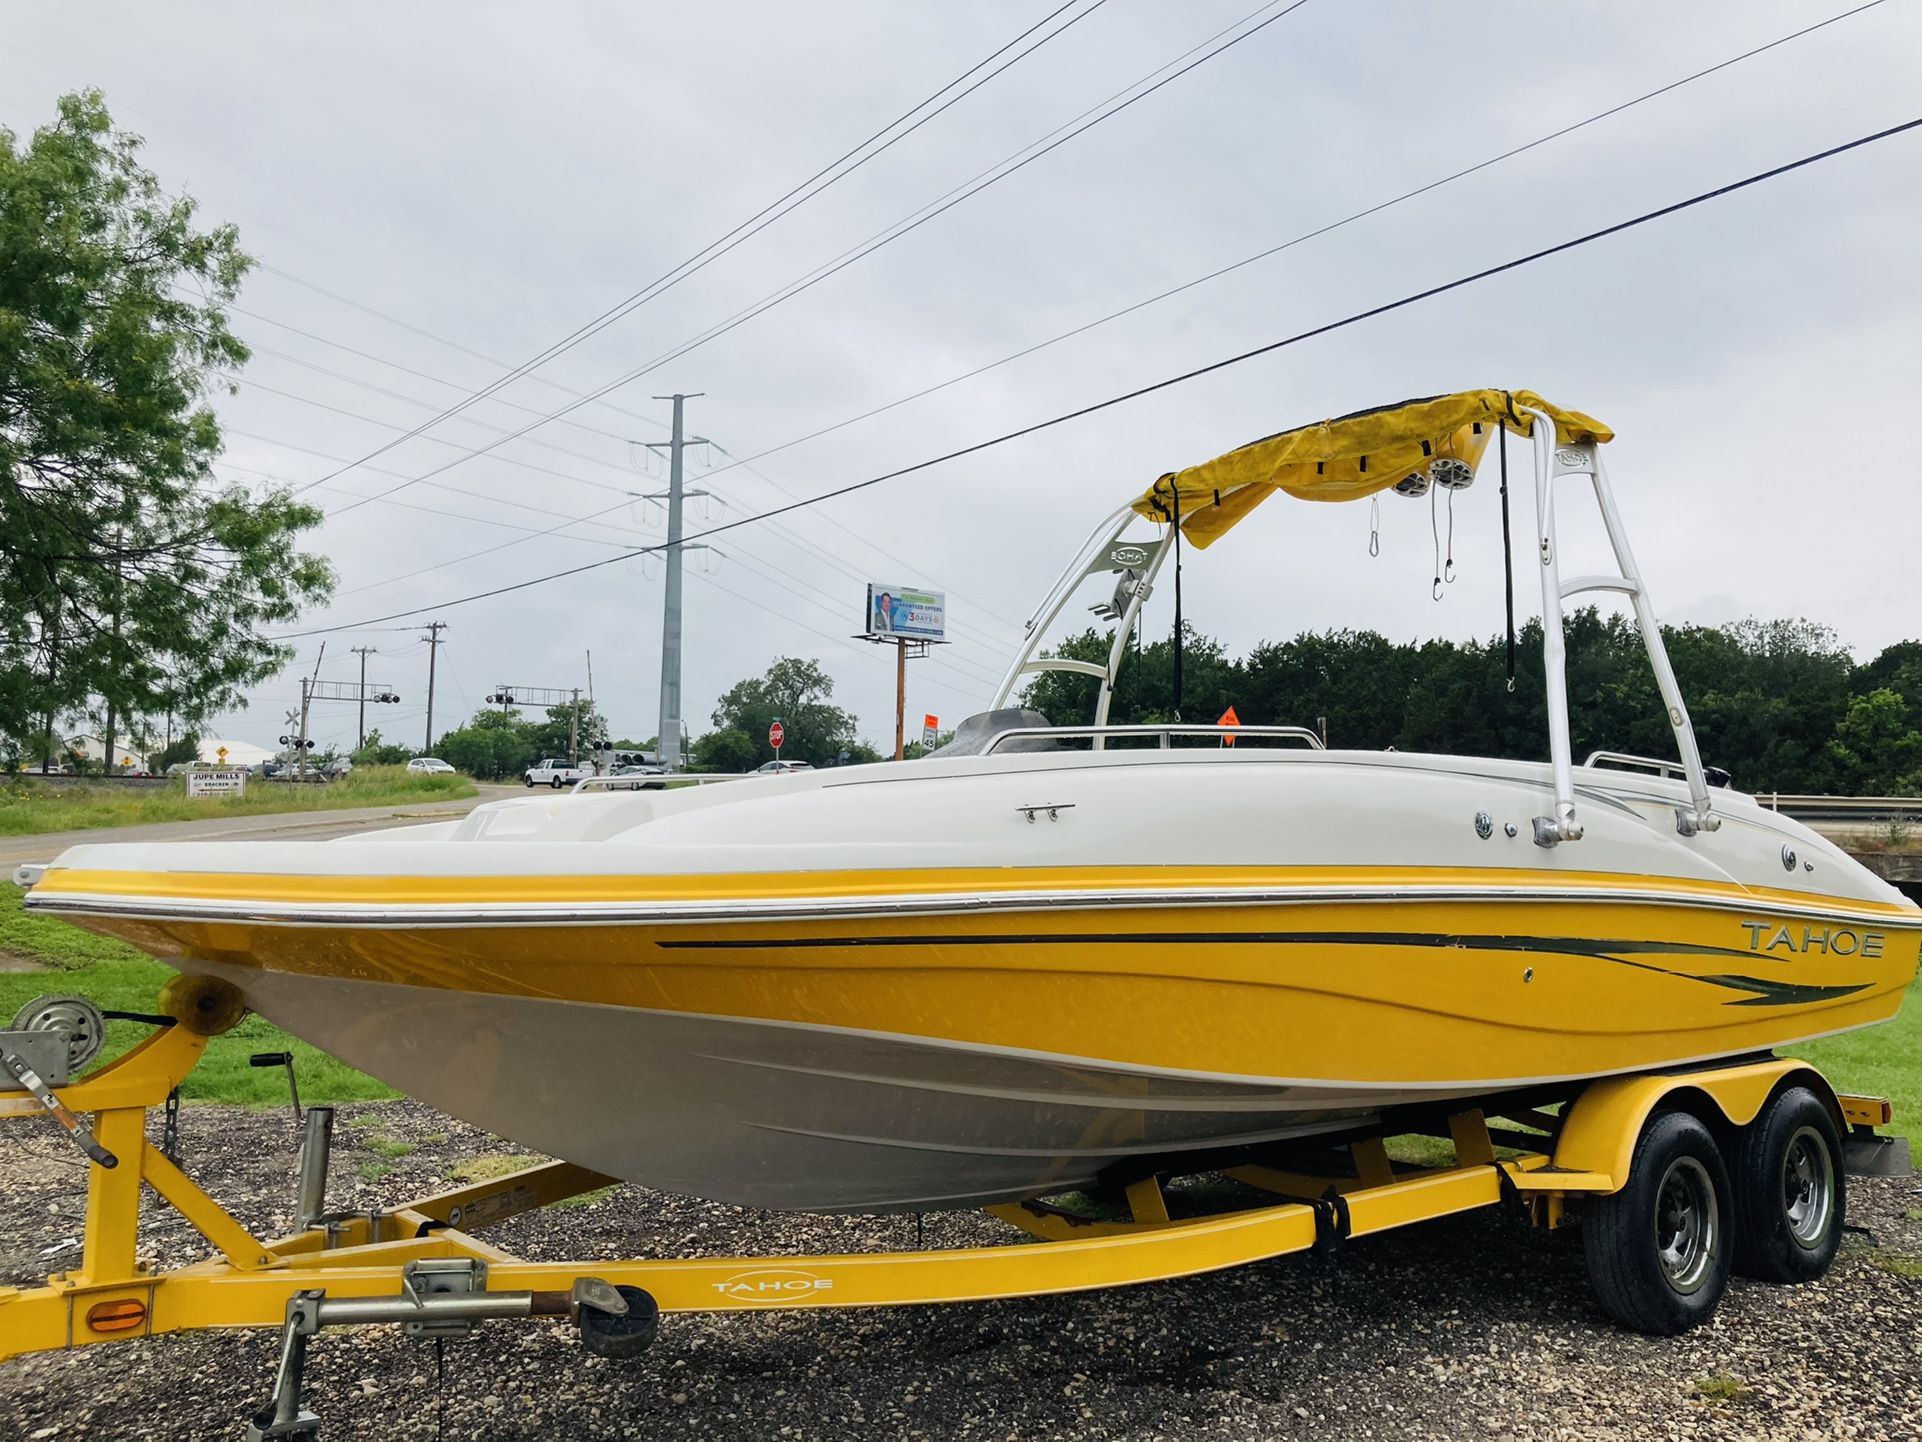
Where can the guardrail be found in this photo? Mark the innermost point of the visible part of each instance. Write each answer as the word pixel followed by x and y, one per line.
pixel 1842 808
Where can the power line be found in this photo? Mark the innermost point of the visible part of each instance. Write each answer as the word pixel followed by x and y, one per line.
pixel 392 394
pixel 1379 207
pixel 801 543
pixel 528 532
pixel 1301 239
pixel 546 511
pixel 760 219
pixel 408 325
pixel 861 252
pixel 1355 318
pixel 426 375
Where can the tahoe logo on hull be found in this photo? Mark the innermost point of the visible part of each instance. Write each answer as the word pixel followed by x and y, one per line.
pixel 1770 936
pixel 774 1286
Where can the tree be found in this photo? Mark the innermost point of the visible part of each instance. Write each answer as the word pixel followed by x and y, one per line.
pixel 1877 746
pixel 494 745
pixel 798 692
pixel 729 749
pixel 1773 702
pixel 551 737
pixel 184 748
pixel 131 581
pixel 375 752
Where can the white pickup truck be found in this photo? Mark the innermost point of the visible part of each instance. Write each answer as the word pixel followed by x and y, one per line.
pixel 554 771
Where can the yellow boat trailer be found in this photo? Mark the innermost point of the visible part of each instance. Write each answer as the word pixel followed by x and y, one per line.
pixel 422 1266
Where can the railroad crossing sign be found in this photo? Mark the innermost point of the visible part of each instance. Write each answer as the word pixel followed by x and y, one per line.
pixel 776 734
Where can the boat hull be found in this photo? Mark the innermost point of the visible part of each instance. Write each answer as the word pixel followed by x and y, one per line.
pixel 920 1053
pixel 981 978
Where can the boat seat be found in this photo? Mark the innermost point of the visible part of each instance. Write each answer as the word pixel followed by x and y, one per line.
pixel 974 735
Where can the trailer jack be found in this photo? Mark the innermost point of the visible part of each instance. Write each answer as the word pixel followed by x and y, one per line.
pixel 445 1297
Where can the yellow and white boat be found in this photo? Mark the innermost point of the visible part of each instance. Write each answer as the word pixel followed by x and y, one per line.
pixel 1046 954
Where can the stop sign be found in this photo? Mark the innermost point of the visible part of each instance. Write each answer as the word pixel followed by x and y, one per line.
pixel 775 735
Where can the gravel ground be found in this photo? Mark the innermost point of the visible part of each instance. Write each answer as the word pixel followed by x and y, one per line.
pixel 1466 1328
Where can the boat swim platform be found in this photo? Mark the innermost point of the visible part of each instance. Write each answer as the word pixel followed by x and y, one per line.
pixel 422 1264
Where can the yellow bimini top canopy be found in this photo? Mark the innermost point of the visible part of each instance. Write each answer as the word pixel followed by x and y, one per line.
pixel 1350 457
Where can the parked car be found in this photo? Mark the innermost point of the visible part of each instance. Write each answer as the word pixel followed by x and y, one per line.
pixel 783 767
pixel 555 771
pixel 429 766
pixel 340 766
pixel 641 770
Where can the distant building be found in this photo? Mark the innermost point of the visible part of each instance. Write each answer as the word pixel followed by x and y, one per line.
pixel 88 747
pixel 237 753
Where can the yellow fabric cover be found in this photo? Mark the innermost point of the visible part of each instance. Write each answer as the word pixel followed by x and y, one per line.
pixel 1350 457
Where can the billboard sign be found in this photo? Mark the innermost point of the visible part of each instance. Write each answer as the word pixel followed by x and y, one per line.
pixel 216 783
pixel 904 611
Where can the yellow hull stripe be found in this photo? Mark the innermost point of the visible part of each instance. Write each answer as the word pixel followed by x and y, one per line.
pixel 881 884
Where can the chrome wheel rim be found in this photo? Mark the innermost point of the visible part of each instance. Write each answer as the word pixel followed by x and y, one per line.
pixel 1688 1225
pixel 1808 1188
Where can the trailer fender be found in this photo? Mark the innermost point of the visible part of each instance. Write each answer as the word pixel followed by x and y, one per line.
pixel 1606 1120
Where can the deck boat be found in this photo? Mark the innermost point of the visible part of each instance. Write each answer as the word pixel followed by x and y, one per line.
pixel 1044 954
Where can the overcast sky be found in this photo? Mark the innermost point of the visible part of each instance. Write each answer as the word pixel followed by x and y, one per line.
pixel 436 192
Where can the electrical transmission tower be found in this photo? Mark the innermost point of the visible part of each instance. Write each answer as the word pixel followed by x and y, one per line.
pixel 668 743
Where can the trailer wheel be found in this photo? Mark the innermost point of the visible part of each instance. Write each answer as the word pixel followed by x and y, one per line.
pixel 1658 1250
pixel 1786 1167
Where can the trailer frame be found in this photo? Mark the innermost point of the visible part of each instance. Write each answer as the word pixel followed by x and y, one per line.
pixel 421 1263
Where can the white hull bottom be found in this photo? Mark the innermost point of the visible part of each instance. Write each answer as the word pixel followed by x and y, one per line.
pixel 783 1116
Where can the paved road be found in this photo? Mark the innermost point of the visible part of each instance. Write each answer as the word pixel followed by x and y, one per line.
pixel 285 826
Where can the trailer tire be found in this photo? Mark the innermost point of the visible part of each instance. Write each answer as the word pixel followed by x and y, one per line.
pixel 1786 1171
pixel 1658 1249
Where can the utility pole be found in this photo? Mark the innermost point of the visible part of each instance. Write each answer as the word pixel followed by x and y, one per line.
pixel 434 643
pixel 300 737
pixel 669 743
pixel 900 696
pixel 574 730
pixel 363 652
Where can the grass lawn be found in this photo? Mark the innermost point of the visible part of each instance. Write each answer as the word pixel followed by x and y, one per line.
pixel 29 808
pixel 116 977
pixel 1880 1061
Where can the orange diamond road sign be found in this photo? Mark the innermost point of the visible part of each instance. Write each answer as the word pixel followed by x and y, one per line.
pixel 1228 718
